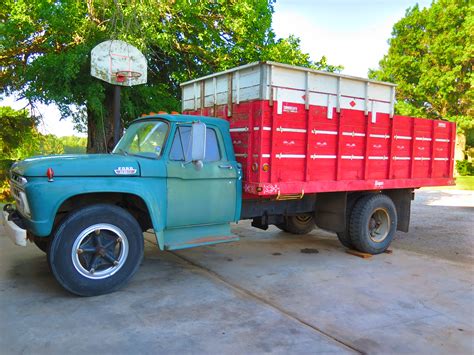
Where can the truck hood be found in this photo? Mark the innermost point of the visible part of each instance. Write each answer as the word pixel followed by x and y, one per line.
pixel 79 165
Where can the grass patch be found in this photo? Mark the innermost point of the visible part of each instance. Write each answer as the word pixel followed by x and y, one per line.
pixel 465 183
pixel 462 183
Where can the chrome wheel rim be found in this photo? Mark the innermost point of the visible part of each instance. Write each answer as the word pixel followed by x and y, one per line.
pixel 99 251
pixel 379 225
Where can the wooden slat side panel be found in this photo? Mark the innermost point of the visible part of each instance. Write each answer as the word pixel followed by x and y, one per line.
pixel 442 149
pixel 402 141
pixel 422 151
pixel 452 145
pixel 261 133
pixel 315 150
pixel 352 153
pixel 322 143
pixel 289 143
pixel 378 146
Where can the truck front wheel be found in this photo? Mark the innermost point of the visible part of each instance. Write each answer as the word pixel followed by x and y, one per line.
pixel 373 224
pixel 95 250
pixel 299 224
pixel 41 243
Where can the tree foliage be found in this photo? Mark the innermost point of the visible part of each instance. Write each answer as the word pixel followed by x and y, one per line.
pixel 431 58
pixel 20 139
pixel 46 46
pixel 73 144
pixel 15 127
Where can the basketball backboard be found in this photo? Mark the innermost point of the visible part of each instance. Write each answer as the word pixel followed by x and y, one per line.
pixel 118 63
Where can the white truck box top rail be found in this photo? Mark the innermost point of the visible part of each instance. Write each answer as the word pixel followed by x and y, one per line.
pixel 280 83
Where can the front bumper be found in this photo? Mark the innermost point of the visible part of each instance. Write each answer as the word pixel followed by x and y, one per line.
pixel 11 221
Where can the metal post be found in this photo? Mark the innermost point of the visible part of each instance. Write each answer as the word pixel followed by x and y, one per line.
pixel 116 113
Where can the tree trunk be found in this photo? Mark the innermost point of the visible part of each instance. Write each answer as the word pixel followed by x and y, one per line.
pixel 100 127
pixel 98 133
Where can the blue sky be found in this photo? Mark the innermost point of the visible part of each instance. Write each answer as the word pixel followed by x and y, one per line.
pixel 352 33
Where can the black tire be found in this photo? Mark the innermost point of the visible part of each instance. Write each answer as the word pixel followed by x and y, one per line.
pixel 373 224
pixel 42 243
pixel 96 250
pixel 300 224
pixel 345 237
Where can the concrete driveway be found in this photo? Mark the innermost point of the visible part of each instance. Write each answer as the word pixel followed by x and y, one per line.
pixel 270 292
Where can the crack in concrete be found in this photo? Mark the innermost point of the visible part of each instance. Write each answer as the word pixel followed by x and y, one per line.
pixel 266 302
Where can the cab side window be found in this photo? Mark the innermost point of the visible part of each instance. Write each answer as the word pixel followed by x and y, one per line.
pixel 181 146
pixel 212 146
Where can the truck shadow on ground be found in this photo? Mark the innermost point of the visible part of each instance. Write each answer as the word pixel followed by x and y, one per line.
pixel 31 275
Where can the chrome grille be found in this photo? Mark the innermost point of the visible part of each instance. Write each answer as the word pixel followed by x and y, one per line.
pixel 16 183
pixel 15 191
pixel 17 178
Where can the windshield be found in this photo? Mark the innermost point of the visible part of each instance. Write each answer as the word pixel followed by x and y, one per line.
pixel 144 139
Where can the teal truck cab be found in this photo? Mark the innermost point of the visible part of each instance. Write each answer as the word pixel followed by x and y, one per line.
pixel 175 174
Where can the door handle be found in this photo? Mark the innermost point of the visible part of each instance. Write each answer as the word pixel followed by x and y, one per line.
pixel 225 166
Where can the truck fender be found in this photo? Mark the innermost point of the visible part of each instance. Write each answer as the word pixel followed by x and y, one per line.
pixel 61 190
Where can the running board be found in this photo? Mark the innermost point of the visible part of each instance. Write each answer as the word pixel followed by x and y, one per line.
pixel 193 236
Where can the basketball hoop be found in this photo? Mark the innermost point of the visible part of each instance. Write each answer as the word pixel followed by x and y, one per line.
pixel 118 63
pixel 122 75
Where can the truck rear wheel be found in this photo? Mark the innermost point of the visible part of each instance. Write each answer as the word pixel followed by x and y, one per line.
pixel 299 224
pixel 95 250
pixel 373 224
pixel 345 237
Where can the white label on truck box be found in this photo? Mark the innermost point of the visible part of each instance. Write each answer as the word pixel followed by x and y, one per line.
pixel 290 109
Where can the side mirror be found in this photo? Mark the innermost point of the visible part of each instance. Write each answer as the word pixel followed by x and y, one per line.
pixel 198 142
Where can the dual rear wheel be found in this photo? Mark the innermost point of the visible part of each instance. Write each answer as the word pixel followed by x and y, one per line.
pixel 370 225
pixel 299 224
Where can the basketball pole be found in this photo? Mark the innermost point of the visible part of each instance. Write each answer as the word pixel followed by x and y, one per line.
pixel 116 114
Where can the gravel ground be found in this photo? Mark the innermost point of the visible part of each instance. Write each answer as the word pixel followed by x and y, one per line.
pixel 442 225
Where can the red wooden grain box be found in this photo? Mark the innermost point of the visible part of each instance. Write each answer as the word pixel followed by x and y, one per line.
pixel 298 131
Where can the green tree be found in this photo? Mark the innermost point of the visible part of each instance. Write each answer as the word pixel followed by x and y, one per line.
pixel 16 127
pixel 45 47
pixel 20 139
pixel 73 144
pixel 431 58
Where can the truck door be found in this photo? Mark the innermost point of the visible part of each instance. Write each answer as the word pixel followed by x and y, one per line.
pixel 200 197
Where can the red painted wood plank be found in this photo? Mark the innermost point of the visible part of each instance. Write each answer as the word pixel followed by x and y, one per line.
pixel 345 156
